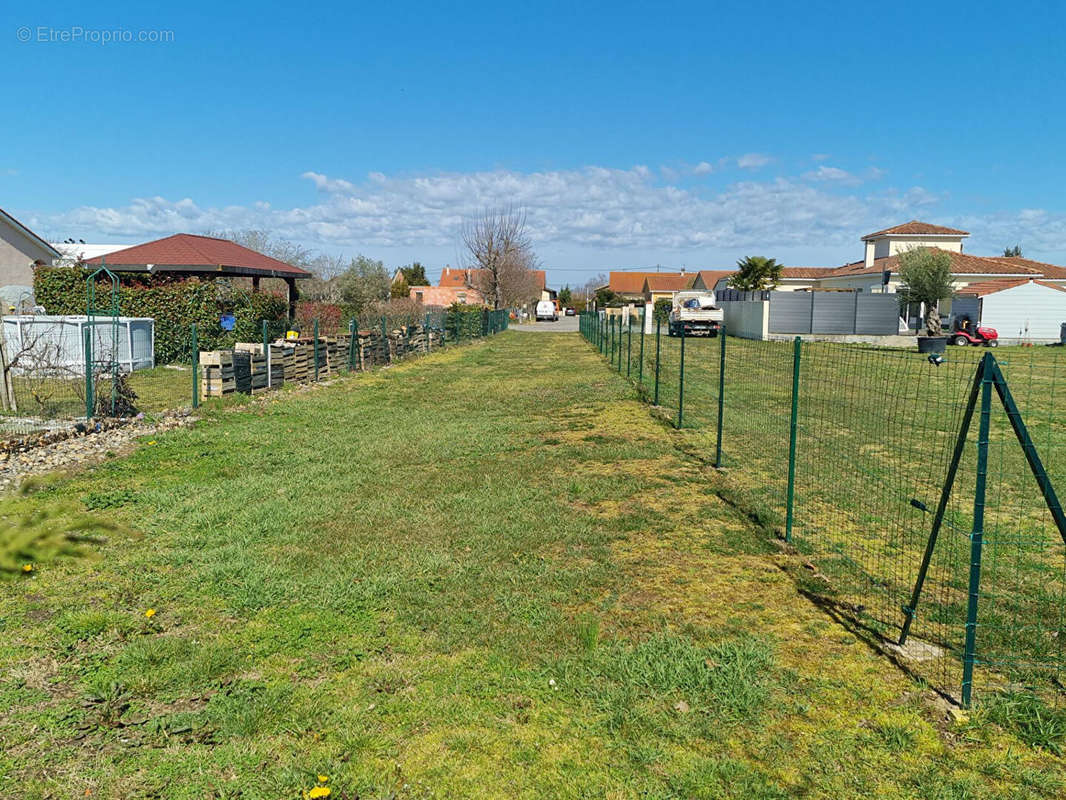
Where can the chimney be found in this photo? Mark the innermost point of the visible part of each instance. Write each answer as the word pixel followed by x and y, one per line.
pixel 869 253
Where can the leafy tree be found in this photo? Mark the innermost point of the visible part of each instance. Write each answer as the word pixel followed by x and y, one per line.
pixel 401 288
pixel 1013 252
pixel 565 296
pixel 415 275
pixel 605 296
pixel 756 273
pixel 926 276
pixel 364 281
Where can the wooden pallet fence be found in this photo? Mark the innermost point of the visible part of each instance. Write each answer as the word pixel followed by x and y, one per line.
pixel 216 373
pixel 257 365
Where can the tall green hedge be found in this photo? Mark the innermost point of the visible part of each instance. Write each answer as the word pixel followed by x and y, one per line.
pixel 466 321
pixel 175 304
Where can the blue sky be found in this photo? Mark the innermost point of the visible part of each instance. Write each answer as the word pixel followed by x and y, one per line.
pixel 633 134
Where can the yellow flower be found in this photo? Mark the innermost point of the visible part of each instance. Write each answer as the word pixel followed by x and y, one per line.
pixel 152 442
pixel 319 791
pixel 27 567
pixel 323 778
pixel 150 613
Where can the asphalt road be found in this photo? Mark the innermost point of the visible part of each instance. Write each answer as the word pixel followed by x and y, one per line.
pixel 564 325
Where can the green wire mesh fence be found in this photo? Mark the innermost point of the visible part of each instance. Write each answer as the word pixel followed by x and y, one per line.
pixel 847 452
pixel 44 385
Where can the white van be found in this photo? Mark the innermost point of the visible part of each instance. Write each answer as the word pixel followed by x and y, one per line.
pixel 546 311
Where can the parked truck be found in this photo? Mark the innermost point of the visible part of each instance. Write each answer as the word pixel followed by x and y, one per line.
pixel 695 313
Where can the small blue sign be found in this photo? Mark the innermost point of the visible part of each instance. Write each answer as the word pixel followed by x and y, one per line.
pixel 228 321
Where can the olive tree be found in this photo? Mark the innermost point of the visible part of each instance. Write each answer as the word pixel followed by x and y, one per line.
pixel 926 276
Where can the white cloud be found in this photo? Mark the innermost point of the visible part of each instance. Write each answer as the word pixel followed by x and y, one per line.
pixel 590 209
pixel 833 175
pixel 703 168
pixel 753 160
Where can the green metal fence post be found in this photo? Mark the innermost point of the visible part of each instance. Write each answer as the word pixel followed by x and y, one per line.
pixel 681 381
pixel 910 610
pixel 266 351
pixel 353 335
pixel 790 498
pixel 314 347
pixel 721 398
pixel 629 344
pixel 89 385
pixel 640 369
pixel 658 352
pixel 195 368
pixel 619 339
pixel 977 536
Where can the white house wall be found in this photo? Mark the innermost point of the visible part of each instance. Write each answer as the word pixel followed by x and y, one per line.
pixel 1039 308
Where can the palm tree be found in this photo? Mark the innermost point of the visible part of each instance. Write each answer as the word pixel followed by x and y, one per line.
pixel 756 274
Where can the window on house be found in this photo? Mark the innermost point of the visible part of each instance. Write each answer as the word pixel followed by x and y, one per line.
pixel 418 296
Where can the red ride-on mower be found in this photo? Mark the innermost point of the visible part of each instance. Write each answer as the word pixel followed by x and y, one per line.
pixel 966 334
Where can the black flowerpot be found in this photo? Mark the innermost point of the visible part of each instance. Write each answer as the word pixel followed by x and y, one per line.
pixel 932 344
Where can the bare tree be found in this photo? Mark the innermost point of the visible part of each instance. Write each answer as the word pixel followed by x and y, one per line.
pixel 499 253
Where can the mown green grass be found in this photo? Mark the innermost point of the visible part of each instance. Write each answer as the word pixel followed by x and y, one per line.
pixel 487 573
pixel 157 389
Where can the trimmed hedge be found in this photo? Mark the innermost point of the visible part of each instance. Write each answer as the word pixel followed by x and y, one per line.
pixel 174 303
pixel 468 321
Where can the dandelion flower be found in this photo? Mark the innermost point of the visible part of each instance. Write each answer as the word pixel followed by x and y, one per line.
pixel 323 778
pixel 27 567
pixel 152 442
pixel 150 613
pixel 319 791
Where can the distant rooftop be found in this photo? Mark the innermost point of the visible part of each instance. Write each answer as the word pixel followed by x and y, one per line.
pixel 916 228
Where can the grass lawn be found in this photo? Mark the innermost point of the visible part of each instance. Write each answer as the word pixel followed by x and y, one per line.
pixel 157 389
pixel 485 573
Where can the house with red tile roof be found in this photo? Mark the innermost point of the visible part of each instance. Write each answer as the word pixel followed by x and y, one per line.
pixel 1019 297
pixel 464 286
pixel 882 252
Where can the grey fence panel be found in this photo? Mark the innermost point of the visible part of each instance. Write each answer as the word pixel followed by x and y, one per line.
pixel 790 312
pixel 735 295
pixel 877 314
pixel 834 312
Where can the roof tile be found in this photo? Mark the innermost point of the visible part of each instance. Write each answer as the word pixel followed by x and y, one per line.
pixel 190 250
pixel 916 228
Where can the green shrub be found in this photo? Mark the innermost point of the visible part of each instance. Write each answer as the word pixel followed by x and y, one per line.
pixel 661 312
pixel 174 303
